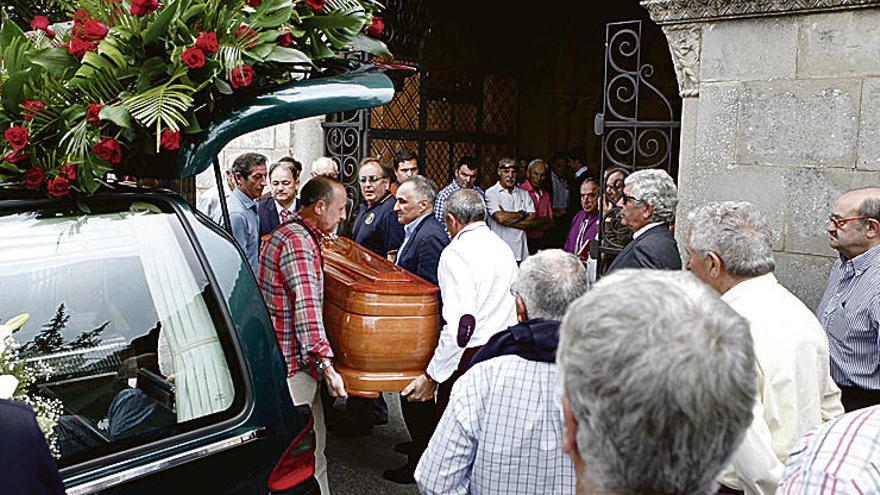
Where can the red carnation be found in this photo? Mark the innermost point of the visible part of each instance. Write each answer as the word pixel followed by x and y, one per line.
pixel 241 76
pixel 109 150
pixel 93 114
pixel 316 4
pixel 18 137
pixel 375 29
pixel 59 186
pixel 68 171
pixel 207 42
pixel 254 3
pixel 15 157
pixel 193 57
pixel 170 140
pixel 93 30
pixel 284 40
pixel 141 8
pixel 40 22
pixel 34 178
pixel 78 47
pixel 32 108
pixel 247 35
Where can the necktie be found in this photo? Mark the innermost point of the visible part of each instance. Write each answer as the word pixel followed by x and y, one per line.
pixel 285 215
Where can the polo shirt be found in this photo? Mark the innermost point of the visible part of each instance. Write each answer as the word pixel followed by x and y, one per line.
pixel 376 227
pixel 500 199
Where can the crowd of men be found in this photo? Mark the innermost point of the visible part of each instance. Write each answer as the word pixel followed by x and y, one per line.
pixel 545 380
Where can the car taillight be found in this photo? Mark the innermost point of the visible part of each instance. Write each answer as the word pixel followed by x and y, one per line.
pixel 297 464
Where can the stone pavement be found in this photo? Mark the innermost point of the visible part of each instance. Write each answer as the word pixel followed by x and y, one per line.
pixel 355 465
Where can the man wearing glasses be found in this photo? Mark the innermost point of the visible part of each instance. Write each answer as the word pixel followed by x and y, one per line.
pixel 850 308
pixel 647 207
pixel 375 226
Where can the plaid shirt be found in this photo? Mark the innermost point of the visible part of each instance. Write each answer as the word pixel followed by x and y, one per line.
pixel 292 282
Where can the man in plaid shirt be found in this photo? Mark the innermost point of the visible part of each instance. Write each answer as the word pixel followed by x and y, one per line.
pixel 292 282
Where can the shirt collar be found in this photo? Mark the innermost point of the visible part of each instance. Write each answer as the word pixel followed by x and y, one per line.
pixel 527 185
pixel 245 200
pixel 469 227
pixel 308 223
pixel 280 208
pixel 863 261
pixel 748 286
pixel 381 200
pixel 645 229
pixel 411 227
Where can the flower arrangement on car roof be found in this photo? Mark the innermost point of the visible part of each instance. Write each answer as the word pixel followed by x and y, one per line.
pixel 117 79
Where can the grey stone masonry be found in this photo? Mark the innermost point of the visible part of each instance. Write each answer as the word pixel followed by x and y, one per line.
pixel 782 109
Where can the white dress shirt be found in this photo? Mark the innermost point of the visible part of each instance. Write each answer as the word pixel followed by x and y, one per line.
pixel 501 434
pixel 796 392
pixel 500 199
pixel 645 228
pixel 279 209
pixel 475 274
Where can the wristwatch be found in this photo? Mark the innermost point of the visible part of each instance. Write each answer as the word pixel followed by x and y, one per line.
pixel 523 214
pixel 323 365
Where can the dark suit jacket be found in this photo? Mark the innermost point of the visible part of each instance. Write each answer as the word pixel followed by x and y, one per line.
pixel 268 215
pixel 421 254
pixel 656 248
pixel 25 463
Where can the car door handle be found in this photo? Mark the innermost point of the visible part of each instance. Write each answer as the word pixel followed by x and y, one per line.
pixel 136 472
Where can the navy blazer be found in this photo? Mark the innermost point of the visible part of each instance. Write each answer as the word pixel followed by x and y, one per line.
pixel 656 248
pixel 26 466
pixel 421 254
pixel 268 214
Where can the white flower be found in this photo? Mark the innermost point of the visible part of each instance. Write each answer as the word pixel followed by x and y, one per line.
pixel 8 384
pixel 5 332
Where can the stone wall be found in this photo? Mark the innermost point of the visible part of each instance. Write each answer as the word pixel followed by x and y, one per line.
pixel 782 110
pixel 303 140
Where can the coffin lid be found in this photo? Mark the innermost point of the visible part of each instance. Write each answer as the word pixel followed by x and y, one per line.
pixel 359 269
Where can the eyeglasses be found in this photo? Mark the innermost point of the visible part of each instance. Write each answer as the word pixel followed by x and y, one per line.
pixel 513 291
pixel 371 179
pixel 506 167
pixel 627 198
pixel 840 222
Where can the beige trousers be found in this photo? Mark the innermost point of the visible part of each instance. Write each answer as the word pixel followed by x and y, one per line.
pixel 305 390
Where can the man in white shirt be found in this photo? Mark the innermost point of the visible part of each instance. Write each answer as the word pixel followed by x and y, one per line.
pixel 511 210
pixel 475 275
pixel 510 398
pixel 729 247
pixel 209 201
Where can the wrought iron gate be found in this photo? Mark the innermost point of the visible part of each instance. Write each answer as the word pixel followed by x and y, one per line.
pixel 638 127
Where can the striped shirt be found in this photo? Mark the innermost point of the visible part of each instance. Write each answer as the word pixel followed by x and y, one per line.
pixel 292 282
pixel 840 458
pixel 501 434
pixel 440 201
pixel 850 313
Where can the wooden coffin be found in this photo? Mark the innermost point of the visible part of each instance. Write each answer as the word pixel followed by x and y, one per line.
pixel 382 321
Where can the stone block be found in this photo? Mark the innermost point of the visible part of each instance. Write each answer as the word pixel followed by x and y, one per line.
pixel 761 186
pixel 839 44
pixel 805 276
pixel 283 134
pixel 716 123
pixel 869 126
pixel 749 49
pixel 810 195
pixel 806 123
pixel 260 139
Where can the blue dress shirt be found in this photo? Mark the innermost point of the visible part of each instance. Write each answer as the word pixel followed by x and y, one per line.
pixel 245 225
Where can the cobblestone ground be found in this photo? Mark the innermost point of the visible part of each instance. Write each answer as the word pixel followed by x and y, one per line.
pixel 355 465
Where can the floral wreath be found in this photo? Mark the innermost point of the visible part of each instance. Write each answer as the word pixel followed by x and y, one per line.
pixel 125 79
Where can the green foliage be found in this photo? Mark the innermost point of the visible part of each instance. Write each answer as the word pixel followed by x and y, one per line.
pixel 164 107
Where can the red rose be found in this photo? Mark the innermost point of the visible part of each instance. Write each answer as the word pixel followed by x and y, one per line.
pixel 247 35
pixel 18 137
pixel 170 140
pixel 254 3
pixel 315 4
pixel 109 150
pixel 375 29
pixel 32 108
pixel 193 57
pixel 207 42
pixel 34 178
pixel 78 47
pixel 68 171
pixel 241 76
pixel 93 30
pixel 59 186
pixel 141 8
pixel 284 40
pixel 15 156
pixel 93 114
pixel 40 22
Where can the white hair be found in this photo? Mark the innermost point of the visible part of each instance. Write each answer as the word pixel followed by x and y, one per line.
pixel 663 393
pixel 322 163
pixel 549 281
pixel 736 232
pixel 656 188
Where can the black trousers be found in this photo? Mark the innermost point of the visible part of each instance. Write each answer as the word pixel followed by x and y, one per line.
pixel 421 419
pixel 857 398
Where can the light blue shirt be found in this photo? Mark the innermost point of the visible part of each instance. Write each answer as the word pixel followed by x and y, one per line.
pixel 245 226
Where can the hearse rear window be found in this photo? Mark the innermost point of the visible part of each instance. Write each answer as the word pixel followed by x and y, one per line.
pixel 121 328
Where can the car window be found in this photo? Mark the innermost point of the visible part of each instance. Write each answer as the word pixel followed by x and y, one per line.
pixel 123 328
